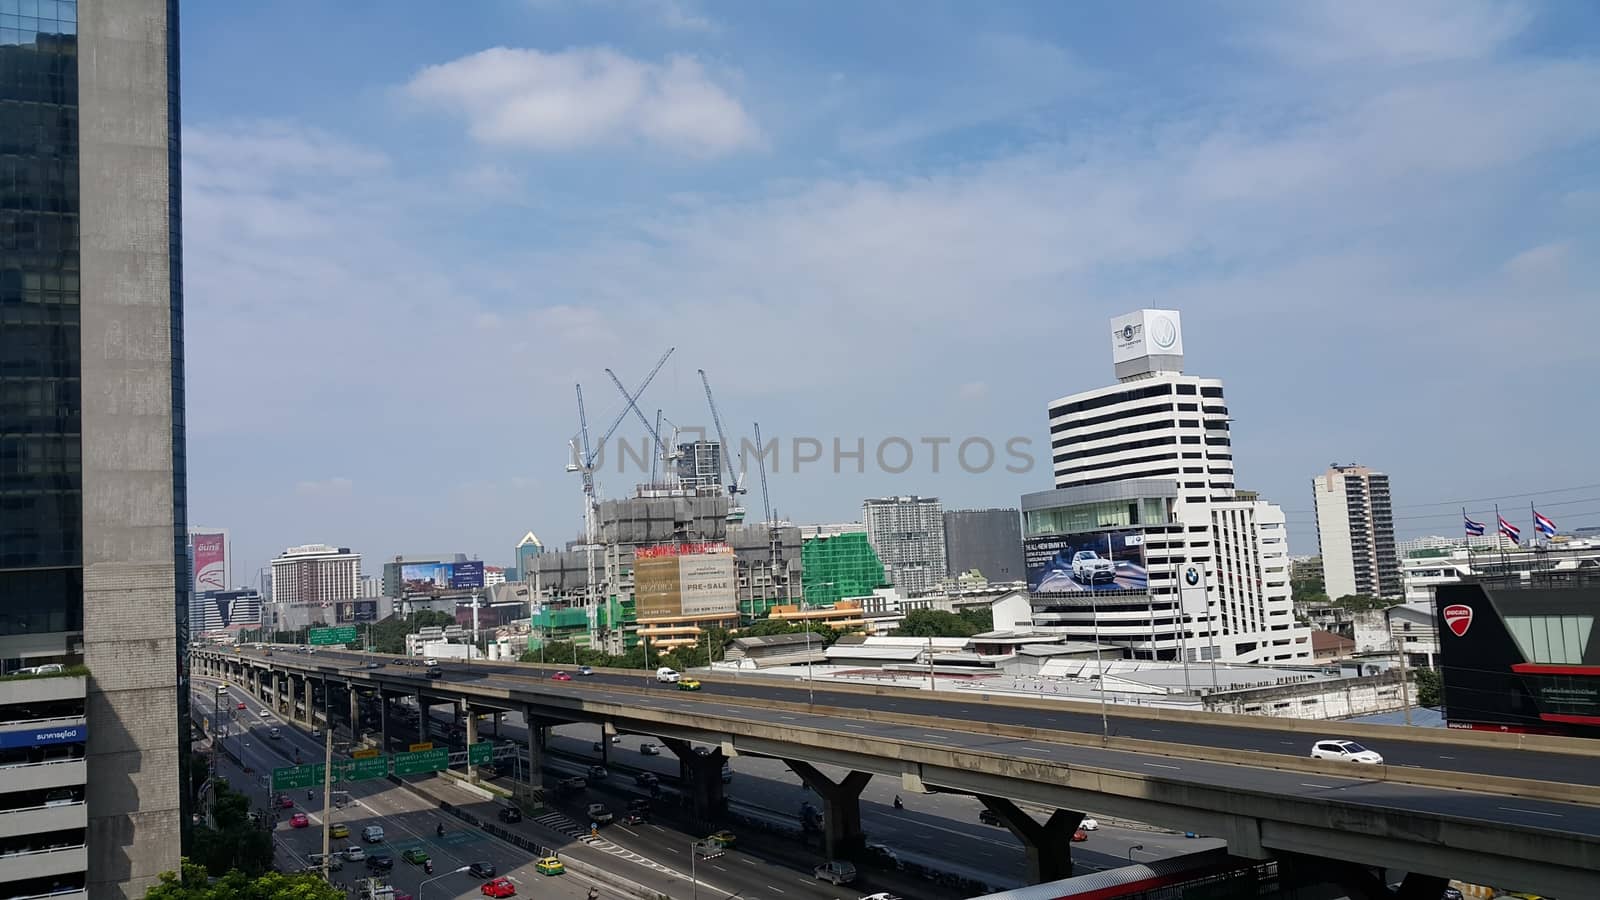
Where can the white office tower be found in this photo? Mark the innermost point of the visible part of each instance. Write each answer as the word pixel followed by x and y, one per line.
pixel 1145 542
pixel 908 535
pixel 1355 529
pixel 316 573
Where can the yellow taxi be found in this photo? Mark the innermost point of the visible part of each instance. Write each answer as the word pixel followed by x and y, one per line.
pixel 338 831
pixel 724 837
pixel 689 684
pixel 549 865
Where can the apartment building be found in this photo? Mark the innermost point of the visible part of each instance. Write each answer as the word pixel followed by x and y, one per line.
pixel 907 533
pixel 1355 530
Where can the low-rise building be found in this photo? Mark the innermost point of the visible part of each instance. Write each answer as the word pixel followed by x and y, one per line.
pixel 846 615
pixel 767 650
pixel 1327 646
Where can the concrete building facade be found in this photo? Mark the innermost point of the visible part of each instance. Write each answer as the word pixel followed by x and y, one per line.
pixel 1355 530
pixel 93 542
pixel 1152 456
pixel 907 533
pixel 988 541
pixel 316 573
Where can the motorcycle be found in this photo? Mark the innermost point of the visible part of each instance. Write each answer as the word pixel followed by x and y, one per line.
pixel 428 867
pixel 438 830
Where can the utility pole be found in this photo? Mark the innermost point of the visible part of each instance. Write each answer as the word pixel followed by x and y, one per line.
pixel 1405 678
pixel 327 768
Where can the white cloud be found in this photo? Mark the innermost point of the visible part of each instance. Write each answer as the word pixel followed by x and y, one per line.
pixel 1341 32
pixel 1546 259
pixel 533 100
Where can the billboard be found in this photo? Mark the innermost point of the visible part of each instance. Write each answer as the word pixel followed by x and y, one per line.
pixel 210 562
pixel 356 611
pixel 467 574
pixel 685 580
pixel 1085 563
pixel 430 578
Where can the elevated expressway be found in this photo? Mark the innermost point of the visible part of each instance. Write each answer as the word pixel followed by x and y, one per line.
pixel 1499 810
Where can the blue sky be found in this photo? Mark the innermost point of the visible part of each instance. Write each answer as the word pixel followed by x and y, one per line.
pixel 411 227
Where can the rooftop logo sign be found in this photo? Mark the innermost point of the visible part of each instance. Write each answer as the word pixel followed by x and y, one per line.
pixel 1458 617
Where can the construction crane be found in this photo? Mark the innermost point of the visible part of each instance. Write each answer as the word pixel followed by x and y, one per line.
pixel 655 433
pixel 766 509
pixel 585 466
pixel 735 482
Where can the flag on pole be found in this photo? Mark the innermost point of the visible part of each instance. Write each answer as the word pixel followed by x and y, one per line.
pixel 1509 530
pixel 1543 524
pixel 1474 529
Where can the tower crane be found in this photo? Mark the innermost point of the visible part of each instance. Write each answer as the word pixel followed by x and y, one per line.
pixel 585 466
pixel 735 482
pixel 655 433
pixel 766 509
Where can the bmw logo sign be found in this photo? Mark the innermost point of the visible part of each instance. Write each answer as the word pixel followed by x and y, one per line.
pixel 1191 576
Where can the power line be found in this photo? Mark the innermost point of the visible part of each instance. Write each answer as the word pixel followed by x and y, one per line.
pixel 1469 501
pixel 1453 514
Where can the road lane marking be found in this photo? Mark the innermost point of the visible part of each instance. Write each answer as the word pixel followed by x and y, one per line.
pixel 1160 766
pixel 1532 812
pixel 850 725
pixel 1447 757
pixel 1038 749
pixel 775 888
pixel 937 737
pixel 746 859
pixel 1326 787
pixel 718 868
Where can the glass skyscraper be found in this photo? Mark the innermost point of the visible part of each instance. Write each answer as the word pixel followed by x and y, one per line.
pixel 92 475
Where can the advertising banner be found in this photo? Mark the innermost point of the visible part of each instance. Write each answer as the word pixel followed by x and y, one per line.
pixel 1085 563
pixel 683 580
pixel 467 574
pixel 210 562
pixel 39 737
pixel 356 611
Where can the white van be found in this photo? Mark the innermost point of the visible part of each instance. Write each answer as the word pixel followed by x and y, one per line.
pixel 372 834
pixel 666 675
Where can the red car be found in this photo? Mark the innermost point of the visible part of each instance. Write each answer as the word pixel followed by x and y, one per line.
pixel 284 802
pixel 1080 835
pixel 500 887
pixel 241 704
pixel 299 820
pixel 560 676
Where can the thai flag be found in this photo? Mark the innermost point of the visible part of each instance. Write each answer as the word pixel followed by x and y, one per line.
pixel 1474 529
pixel 1543 524
pixel 1511 531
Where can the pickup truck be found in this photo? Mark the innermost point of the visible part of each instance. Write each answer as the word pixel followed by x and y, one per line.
pixel 598 814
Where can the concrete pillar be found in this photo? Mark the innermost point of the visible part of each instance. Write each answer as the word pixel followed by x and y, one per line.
pixel 841 811
pixel 422 719
pixel 383 721
pixel 1048 844
pixel 535 771
pixel 497 723
pixel 701 776
pixel 355 717
pixel 472 738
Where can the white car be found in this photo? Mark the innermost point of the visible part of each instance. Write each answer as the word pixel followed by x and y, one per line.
pixel 1089 825
pixel 1088 568
pixel 1345 751
pixel 355 853
pixel 666 675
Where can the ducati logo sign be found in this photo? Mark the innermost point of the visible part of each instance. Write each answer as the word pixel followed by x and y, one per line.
pixel 1458 617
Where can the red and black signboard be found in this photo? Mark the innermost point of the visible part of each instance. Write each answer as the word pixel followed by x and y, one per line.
pixel 1517 659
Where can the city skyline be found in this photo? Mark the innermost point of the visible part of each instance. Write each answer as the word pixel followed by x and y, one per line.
pixel 1386 240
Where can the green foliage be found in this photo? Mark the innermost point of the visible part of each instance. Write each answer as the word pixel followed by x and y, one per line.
pixel 979 617
pixel 935 623
pixel 231 840
pixel 195 883
pixel 1430 687
pixel 389 635
pixel 1362 602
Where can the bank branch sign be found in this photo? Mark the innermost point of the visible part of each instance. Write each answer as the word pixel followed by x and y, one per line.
pixel 40 737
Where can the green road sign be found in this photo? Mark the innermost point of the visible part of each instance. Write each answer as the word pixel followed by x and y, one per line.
pixel 342 635
pixel 366 769
pixel 481 753
pixel 289 778
pixel 422 761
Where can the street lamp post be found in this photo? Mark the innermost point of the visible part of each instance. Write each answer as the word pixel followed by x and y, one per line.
pixel 457 871
pixel 1130 852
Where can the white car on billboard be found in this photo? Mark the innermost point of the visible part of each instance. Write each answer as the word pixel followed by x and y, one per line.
pixel 1089 567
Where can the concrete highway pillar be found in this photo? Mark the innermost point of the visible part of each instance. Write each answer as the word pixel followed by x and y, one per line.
pixel 841 811
pixel 472 738
pixel 534 775
pixel 1048 843
pixel 383 721
pixel 702 776
pixel 497 723
pixel 422 719
pixel 355 716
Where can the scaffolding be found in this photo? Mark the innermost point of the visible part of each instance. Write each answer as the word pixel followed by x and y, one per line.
pixel 839 566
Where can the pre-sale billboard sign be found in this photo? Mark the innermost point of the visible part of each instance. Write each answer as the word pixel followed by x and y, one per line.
pixel 210 562
pixel 685 580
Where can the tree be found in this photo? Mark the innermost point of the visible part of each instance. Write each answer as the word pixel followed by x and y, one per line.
pixel 231 840
pixel 389 635
pixel 1361 602
pixel 979 617
pixel 935 623
pixel 1430 688
pixel 195 884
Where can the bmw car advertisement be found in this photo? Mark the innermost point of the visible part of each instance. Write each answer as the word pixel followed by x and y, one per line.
pixel 1081 563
